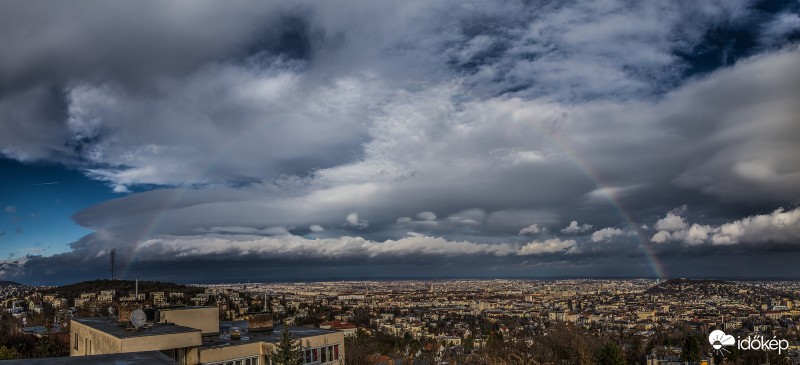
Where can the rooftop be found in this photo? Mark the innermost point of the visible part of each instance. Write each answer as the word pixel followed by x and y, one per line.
pixel 250 337
pixel 128 358
pixel 180 307
pixel 107 325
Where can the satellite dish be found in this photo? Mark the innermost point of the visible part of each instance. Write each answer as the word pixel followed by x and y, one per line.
pixel 111 311
pixel 138 318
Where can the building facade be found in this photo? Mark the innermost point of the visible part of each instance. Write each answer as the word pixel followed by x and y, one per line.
pixel 195 336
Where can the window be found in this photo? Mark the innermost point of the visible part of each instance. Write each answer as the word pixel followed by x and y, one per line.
pixel 76 342
pixel 253 360
pixel 321 355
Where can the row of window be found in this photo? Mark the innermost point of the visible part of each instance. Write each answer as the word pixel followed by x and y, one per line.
pixel 322 354
pixel 243 361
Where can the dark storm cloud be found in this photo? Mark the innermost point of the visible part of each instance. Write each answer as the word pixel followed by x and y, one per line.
pixel 365 134
pixel 60 43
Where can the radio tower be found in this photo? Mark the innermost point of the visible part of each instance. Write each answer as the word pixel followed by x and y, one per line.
pixel 113 257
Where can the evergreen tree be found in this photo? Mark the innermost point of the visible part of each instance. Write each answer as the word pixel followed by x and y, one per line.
pixel 690 350
pixel 48 347
pixel 610 354
pixel 469 343
pixel 288 351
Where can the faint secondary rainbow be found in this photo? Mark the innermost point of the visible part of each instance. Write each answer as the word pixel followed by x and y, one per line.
pixel 173 197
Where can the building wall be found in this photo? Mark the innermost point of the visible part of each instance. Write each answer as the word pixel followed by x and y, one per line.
pixel 204 318
pixel 101 342
pixel 92 341
pixel 217 354
pixel 263 349
pixel 323 341
pixel 161 342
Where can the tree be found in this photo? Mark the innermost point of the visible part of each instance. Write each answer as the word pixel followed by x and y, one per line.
pixel 610 354
pixel 48 347
pixel 288 351
pixel 469 343
pixel 691 349
pixel 8 353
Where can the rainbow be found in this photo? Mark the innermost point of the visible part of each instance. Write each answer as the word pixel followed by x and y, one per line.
pixel 585 168
pixel 573 155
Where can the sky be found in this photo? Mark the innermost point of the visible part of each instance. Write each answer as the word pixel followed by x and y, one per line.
pixel 307 140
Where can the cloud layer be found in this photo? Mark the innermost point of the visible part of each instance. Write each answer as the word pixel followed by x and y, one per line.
pixel 455 130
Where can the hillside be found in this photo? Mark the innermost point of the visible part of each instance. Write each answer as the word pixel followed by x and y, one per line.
pixel 122 287
pixel 706 288
pixel 9 283
pixel 700 286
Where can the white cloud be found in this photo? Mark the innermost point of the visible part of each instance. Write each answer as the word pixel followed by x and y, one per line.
pixel 574 228
pixel 670 223
pixel 532 229
pixel 316 228
pixel 780 226
pixel 470 217
pixel 661 237
pixel 553 245
pixel 327 248
pixel 611 192
pixel 10 209
pixel 606 234
pixel 698 234
pixel 353 220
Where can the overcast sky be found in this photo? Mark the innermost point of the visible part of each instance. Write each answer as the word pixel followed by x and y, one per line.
pixel 209 141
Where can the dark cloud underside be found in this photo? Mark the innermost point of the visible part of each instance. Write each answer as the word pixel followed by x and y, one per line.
pixel 357 138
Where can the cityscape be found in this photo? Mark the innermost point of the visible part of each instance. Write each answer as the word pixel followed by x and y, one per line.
pixel 467 321
pixel 416 182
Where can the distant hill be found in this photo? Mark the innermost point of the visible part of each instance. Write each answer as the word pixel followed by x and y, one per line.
pixel 679 284
pixel 122 287
pixel 705 287
pixel 8 283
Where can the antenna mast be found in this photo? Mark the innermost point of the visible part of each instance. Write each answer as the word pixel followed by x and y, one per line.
pixel 113 258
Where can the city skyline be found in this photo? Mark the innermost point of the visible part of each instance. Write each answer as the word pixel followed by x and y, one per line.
pixel 277 141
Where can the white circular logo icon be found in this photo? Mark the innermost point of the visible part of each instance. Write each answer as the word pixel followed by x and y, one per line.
pixel 718 339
